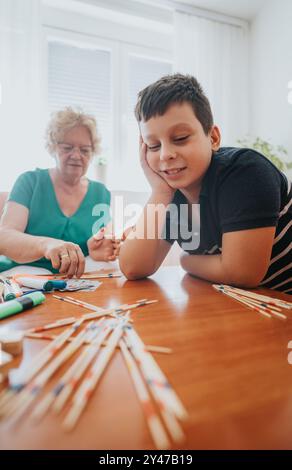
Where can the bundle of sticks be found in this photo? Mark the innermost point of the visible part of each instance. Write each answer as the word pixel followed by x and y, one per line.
pixel 262 304
pixel 30 389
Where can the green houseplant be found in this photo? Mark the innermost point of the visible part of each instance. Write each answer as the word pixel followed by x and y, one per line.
pixel 101 161
pixel 276 153
pixel 100 164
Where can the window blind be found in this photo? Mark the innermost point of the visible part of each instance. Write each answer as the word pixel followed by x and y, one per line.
pixel 81 77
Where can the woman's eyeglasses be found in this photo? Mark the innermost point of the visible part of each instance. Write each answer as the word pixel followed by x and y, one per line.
pixel 67 149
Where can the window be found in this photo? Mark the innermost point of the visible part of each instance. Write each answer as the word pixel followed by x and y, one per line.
pixel 141 72
pixel 103 78
pixel 81 77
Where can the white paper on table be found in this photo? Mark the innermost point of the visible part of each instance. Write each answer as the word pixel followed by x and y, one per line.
pixel 90 266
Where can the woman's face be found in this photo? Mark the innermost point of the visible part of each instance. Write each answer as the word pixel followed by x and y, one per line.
pixel 74 153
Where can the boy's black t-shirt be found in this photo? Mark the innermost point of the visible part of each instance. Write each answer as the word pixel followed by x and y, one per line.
pixel 241 190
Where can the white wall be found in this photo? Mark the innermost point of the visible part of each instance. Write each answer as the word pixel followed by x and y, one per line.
pixel 270 73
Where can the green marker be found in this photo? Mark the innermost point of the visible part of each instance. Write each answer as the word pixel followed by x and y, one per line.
pixel 12 307
pixel 8 290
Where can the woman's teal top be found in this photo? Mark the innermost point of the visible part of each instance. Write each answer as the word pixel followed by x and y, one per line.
pixel 35 190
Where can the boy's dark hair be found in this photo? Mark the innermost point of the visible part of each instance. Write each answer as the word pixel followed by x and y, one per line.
pixel 156 98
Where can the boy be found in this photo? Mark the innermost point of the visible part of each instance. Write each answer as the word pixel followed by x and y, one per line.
pixel 245 201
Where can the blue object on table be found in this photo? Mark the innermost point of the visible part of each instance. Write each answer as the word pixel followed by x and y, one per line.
pixel 59 285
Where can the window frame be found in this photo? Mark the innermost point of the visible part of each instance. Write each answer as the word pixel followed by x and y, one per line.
pixel 120 53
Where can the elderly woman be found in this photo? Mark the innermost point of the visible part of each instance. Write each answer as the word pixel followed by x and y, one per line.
pixel 49 218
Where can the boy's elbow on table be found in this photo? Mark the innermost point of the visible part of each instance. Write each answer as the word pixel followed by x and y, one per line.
pixel 134 273
pixel 133 276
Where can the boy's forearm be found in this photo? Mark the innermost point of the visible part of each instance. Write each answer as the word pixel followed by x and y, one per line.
pixel 138 254
pixel 21 247
pixel 212 268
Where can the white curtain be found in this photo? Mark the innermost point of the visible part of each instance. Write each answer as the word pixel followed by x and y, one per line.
pixel 21 127
pixel 217 55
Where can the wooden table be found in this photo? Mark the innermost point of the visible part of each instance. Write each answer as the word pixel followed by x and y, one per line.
pixel 229 366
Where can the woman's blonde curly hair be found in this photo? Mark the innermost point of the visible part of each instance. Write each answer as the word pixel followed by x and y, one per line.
pixel 65 120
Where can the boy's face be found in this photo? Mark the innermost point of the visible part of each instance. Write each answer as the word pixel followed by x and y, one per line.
pixel 178 148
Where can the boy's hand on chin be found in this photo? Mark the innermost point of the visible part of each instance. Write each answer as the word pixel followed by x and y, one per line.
pixel 156 182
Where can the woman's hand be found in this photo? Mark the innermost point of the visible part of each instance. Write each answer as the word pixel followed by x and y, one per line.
pixel 157 183
pixel 103 248
pixel 67 257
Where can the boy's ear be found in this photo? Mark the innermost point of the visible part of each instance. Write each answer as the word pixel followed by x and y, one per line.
pixel 215 138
